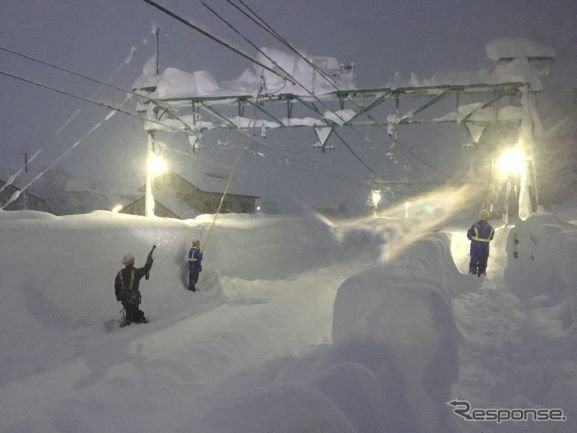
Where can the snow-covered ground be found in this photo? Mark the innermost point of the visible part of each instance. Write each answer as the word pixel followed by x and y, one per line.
pixel 299 327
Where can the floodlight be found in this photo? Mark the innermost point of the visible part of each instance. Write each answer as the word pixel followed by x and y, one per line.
pixel 511 162
pixel 157 165
pixel 376 197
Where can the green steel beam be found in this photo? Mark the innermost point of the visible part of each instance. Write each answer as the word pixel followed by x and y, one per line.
pixel 378 96
pixel 432 101
pixel 365 93
pixel 369 107
pixel 219 116
pixel 262 110
pixel 485 105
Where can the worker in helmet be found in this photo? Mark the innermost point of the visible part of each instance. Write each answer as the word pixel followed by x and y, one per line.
pixel 126 289
pixel 194 264
pixel 480 234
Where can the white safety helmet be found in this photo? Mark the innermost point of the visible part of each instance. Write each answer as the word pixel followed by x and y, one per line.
pixel 128 259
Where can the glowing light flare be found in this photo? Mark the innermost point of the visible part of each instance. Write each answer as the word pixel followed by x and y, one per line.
pixel 156 165
pixel 428 213
pixel 511 162
pixel 376 197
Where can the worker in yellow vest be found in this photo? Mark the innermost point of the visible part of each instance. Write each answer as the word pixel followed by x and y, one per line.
pixel 480 234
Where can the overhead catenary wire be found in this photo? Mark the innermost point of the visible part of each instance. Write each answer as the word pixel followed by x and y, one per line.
pixel 16 194
pixel 115 110
pixel 228 184
pixel 97 81
pixel 298 164
pixel 286 76
pixel 102 104
pixel 294 80
pixel 122 64
pixel 90 101
pixel 177 17
pixel 257 19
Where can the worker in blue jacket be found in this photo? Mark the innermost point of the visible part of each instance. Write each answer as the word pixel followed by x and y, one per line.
pixel 480 234
pixel 194 264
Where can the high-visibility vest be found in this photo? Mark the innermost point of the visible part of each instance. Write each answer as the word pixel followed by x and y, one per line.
pixel 477 238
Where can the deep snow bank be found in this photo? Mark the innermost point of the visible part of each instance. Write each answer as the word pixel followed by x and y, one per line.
pixel 542 272
pixel 391 364
pixel 404 307
pixel 57 273
pixel 541 265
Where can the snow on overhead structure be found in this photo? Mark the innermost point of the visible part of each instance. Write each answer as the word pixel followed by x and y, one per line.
pixel 504 49
pixel 174 83
pixel 303 73
pixel 520 58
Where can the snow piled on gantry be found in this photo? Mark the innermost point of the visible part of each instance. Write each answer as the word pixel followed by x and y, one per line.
pixel 516 48
pixel 293 74
pixel 174 83
pixel 516 60
pixel 304 79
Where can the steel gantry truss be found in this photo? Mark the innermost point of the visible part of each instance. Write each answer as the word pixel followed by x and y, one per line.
pixel 340 108
pixel 325 112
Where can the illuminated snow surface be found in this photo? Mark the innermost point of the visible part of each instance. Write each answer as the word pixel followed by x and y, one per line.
pixel 295 329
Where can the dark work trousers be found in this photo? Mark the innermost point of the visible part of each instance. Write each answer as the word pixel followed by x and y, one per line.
pixel 192 280
pixel 133 313
pixel 478 265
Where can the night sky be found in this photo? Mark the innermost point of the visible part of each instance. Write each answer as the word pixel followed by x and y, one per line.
pixel 94 37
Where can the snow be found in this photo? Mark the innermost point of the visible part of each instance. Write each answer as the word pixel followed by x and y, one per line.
pixel 174 83
pixel 300 325
pixel 306 81
pixel 516 48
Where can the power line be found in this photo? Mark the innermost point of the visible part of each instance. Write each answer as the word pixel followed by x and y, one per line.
pixel 287 76
pixel 90 101
pixel 208 35
pixel 86 77
pixel 60 68
pixel 295 81
pixel 257 19
pixel 101 104
pixel 263 24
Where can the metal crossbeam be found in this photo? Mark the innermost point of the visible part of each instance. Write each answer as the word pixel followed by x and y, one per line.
pixel 359 101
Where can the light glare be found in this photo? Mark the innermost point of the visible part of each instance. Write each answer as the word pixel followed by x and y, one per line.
pixel 376 197
pixel 511 162
pixel 157 165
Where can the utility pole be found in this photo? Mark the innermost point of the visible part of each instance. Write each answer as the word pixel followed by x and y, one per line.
pixel 157 33
pixel 148 195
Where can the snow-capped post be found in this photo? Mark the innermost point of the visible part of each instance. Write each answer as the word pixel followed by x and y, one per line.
pixel 148 196
pixel 521 59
